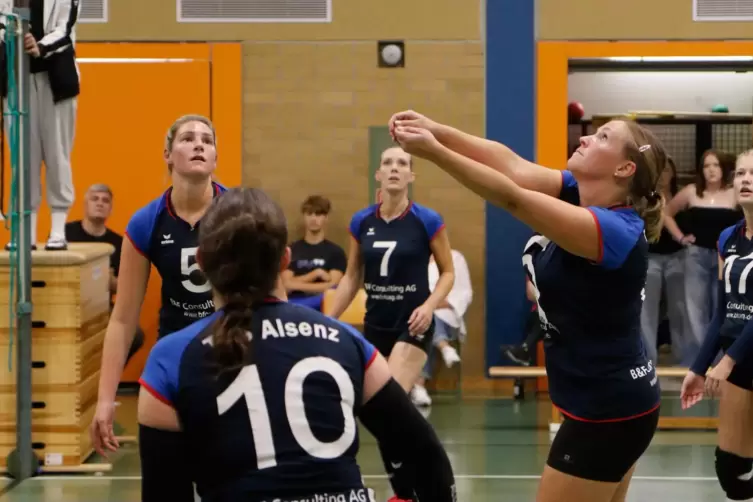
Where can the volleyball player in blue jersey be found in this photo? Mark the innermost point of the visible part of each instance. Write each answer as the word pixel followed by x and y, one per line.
pixel 731 330
pixel 164 233
pixel 258 401
pixel 588 266
pixel 390 248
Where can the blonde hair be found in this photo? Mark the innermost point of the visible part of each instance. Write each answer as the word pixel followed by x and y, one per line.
pixel 647 152
pixel 746 153
pixel 185 119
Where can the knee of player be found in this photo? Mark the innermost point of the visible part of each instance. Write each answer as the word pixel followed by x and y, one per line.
pixel 735 474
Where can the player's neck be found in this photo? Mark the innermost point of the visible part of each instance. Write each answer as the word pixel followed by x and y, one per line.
pixel 278 292
pixel 190 197
pixel 93 227
pixel 313 237
pixel 600 194
pixel 393 206
pixel 748 212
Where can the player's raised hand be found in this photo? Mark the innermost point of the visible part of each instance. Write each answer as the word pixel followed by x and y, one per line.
pixel 411 119
pixel 416 141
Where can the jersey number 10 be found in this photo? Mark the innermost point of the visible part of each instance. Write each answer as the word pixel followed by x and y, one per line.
pixel 248 385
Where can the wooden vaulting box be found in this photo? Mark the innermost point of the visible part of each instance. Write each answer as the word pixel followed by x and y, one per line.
pixel 71 308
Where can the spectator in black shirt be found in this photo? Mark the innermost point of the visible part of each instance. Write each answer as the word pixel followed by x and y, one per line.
pixel 92 228
pixel 316 264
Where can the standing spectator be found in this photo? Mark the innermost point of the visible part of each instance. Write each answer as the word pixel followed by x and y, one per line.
pixel 316 264
pixel 710 207
pixel 54 94
pixel 666 272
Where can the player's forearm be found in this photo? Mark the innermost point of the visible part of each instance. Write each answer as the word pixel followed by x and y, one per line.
pixel 441 290
pixel 118 339
pixel 344 294
pixel 491 153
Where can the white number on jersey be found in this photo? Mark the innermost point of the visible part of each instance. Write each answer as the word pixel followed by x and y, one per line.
pixel 248 385
pixel 528 263
pixel 390 247
pixel 728 263
pixel 186 270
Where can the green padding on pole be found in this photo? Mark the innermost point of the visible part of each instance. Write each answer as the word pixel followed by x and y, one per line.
pixel 379 141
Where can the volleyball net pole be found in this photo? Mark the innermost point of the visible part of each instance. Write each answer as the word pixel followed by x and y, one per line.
pixel 22 462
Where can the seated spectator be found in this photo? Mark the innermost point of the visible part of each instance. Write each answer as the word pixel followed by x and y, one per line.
pixel 92 228
pixel 316 264
pixel 449 322
pixel 525 352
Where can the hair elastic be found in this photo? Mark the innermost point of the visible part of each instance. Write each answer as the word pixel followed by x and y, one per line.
pixel 643 148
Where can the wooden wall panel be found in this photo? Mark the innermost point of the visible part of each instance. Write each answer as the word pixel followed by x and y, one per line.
pixel 156 20
pixel 307 110
pixel 636 20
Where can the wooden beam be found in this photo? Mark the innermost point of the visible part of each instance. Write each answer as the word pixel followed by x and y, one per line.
pixel 540 371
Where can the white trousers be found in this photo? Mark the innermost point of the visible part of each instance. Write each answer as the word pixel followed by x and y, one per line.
pixel 52 132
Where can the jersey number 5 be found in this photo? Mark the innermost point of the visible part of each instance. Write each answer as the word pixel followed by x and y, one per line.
pixel 247 384
pixel 390 247
pixel 185 257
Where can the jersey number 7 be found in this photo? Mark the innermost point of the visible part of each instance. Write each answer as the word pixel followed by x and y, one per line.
pixel 390 247
pixel 248 384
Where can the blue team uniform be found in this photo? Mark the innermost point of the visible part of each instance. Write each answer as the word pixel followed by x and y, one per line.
pixel 396 258
pixel 170 244
pixel 301 397
pixel 735 335
pixel 595 358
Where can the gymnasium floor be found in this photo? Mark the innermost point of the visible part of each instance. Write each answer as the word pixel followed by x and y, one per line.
pixel 498 449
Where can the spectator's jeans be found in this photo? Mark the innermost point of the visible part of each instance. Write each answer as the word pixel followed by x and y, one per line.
pixel 665 270
pixel 442 331
pixel 701 276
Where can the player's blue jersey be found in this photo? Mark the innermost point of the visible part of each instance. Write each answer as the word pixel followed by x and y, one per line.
pixel 396 258
pixel 283 426
pixel 595 358
pixel 170 244
pixel 737 252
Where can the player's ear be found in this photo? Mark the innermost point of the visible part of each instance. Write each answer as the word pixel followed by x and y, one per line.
pixel 285 261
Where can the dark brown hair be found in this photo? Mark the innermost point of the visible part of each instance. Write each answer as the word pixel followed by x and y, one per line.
pixel 316 204
pixel 242 239
pixel 650 158
pixel 726 164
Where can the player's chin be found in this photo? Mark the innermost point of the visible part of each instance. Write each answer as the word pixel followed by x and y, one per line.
pixel 395 187
pixel 197 170
pixel 745 199
pixel 575 163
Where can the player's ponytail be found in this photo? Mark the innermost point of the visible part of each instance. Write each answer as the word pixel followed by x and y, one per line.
pixel 647 152
pixel 242 242
pixel 232 339
pixel 651 209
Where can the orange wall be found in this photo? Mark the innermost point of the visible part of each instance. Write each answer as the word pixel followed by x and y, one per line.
pixel 124 111
pixel 551 87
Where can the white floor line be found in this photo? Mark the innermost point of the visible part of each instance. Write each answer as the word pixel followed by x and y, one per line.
pixel 90 478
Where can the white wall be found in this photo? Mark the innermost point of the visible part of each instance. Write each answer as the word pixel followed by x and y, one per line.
pixel 619 92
